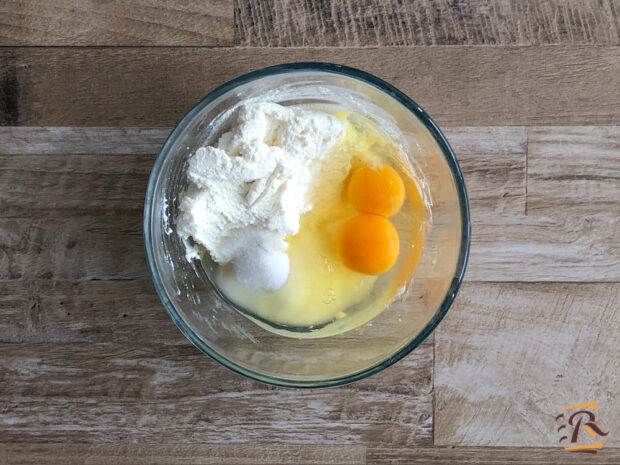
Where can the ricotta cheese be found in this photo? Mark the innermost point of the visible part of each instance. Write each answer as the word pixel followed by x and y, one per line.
pixel 247 193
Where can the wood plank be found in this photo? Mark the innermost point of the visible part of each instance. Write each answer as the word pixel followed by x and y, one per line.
pixel 504 248
pixel 487 456
pixel 80 141
pixel 470 86
pixel 120 311
pixel 427 22
pixel 108 247
pixel 510 356
pixel 276 454
pixel 70 185
pixel 84 311
pixel 170 454
pixel 64 171
pixel 493 163
pixel 93 202
pixel 127 23
pixel 538 248
pixel 573 170
pixel 131 392
pixel 92 171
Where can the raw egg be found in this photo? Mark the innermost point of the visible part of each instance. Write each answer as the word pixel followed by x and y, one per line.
pixel 376 189
pixel 368 244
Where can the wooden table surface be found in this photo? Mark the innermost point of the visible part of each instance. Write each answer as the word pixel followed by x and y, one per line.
pixel 92 370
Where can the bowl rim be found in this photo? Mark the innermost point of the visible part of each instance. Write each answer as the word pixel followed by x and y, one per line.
pixel 418 112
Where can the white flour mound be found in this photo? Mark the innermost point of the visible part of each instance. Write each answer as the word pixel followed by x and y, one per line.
pixel 248 192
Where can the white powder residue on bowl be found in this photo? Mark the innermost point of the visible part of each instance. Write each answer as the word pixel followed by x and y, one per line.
pixel 248 192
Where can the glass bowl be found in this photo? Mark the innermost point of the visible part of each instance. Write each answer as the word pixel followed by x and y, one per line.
pixel 219 330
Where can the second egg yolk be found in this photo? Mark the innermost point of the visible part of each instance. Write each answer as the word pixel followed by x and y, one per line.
pixel 376 189
pixel 368 244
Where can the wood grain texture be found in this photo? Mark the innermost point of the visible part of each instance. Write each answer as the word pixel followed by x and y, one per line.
pixel 75 171
pixel 118 311
pixel 109 392
pixel 573 170
pixel 82 247
pixel 80 141
pixel 510 356
pixel 116 22
pixel 93 370
pixel 425 22
pixel 78 216
pixel 458 86
pixel 493 163
pixel 69 185
pixel 170 454
pixel 275 454
pixel 562 247
pixel 98 171
pixel 123 311
pixel 487 456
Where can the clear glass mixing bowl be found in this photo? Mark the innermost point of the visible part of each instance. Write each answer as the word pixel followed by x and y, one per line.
pixel 222 332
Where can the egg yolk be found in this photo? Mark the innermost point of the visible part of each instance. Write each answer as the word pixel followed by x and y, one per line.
pixel 368 244
pixel 376 189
